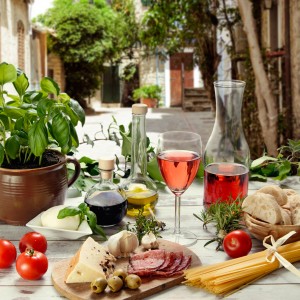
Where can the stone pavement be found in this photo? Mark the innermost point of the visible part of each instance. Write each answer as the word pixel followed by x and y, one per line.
pixel 158 120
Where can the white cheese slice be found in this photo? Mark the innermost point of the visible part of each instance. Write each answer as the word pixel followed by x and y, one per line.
pixel 90 262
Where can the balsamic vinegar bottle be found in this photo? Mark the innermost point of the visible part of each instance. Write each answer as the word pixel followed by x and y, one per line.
pixel 105 198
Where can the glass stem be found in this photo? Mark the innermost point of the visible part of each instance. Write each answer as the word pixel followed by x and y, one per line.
pixel 177 214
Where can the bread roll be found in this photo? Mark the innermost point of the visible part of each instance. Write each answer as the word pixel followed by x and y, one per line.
pixel 295 208
pixel 290 192
pixel 264 207
pixel 277 192
pixel 286 217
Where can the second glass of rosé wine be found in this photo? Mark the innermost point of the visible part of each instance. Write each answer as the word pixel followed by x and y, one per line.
pixel 179 155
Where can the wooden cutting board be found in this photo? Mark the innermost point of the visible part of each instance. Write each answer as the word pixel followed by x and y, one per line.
pixel 82 291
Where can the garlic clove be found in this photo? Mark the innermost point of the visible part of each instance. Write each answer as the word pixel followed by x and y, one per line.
pixel 113 244
pixel 123 243
pixel 149 241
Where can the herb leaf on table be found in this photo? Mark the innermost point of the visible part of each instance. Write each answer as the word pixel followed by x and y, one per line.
pixel 84 212
pixel 145 224
pixel 225 216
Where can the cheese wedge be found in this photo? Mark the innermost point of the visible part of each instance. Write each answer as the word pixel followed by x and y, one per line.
pixel 90 262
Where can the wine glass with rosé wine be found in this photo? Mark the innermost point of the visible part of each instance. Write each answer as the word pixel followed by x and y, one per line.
pixel 179 155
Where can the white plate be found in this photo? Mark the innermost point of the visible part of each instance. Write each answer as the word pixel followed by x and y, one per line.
pixel 36 225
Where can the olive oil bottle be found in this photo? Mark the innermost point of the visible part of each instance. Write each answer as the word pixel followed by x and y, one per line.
pixel 140 189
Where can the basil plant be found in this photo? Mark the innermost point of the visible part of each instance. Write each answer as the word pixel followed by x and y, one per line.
pixel 33 121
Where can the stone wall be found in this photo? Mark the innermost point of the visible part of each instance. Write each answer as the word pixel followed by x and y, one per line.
pixel 11 13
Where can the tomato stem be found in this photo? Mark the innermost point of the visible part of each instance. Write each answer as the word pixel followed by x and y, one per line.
pixel 29 251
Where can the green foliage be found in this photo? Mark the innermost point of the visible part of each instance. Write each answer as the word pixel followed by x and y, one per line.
pixel 147 91
pixel 225 216
pixel 287 163
pixel 173 25
pixel 88 171
pixel 88 35
pixel 31 121
pixel 144 225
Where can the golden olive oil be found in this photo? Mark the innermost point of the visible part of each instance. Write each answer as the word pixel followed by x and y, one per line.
pixel 140 199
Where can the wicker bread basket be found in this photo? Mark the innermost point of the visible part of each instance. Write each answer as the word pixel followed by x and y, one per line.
pixel 260 229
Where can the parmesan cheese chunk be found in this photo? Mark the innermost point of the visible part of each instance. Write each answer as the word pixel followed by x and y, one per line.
pixel 90 262
pixel 264 207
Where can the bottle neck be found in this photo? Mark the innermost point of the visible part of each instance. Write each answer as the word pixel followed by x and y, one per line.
pixel 138 145
pixel 106 176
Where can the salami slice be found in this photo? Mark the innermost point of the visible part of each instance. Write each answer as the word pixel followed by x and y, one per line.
pixel 169 259
pixel 185 263
pixel 178 256
pixel 150 260
pixel 159 263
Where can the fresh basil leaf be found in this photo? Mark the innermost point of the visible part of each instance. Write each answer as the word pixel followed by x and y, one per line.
pixel 99 231
pixel 49 86
pixel 38 138
pixel 12 146
pixel 21 84
pixel 83 207
pixel 78 110
pixel 8 73
pixel 61 129
pixel 1 154
pixel 92 219
pixel 68 211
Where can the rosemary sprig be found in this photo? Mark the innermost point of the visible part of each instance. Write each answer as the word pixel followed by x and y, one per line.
pixel 226 216
pixel 145 224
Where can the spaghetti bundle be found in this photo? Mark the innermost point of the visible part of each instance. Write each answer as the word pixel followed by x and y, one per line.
pixel 227 277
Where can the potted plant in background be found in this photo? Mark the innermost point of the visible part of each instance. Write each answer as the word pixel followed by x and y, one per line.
pixel 33 175
pixel 148 94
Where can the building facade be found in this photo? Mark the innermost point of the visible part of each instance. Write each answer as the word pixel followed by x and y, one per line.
pixel 21 44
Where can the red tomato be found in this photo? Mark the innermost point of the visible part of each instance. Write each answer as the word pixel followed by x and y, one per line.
pixel 32 265
pixel 237 243
pixel 8 253
pixel 33 240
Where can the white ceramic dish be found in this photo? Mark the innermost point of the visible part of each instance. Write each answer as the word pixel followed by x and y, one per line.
pixel 36 224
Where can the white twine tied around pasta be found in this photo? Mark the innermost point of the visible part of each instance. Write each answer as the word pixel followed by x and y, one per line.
pixel 272 252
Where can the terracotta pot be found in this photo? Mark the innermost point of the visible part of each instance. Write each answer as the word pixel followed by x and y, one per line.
pixel 150 102
pixel 26 193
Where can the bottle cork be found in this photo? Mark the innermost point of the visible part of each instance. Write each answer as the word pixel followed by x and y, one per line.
pixel 139 109
pixel 107 163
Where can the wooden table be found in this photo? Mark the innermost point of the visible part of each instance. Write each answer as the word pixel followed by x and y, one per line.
pixel 277 285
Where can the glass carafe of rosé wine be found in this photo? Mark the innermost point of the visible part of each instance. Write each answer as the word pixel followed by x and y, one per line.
pixel 226 156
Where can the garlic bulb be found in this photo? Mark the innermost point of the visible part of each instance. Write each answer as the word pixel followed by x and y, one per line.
pixel 149 241
pixel 122 243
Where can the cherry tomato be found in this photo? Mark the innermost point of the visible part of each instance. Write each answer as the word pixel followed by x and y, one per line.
pixel 8 253
pixel 32 265
pixel 33 240
pixel 237 243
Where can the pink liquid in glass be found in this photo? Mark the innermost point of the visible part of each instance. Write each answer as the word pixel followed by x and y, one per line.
pixel 178 168
pixel 225 182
